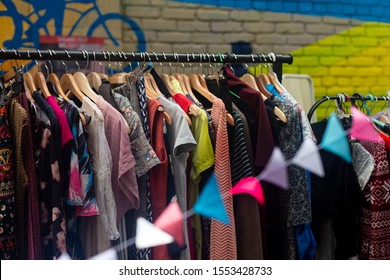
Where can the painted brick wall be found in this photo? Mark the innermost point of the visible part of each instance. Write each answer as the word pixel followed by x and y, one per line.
pixel 343 44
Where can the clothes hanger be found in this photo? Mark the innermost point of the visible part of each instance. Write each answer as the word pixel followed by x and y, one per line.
pixel 40 82
pixel 150 91
pixel 53 78
pixel 29 86
pixel 275 81
pixel 193 109
pixel 153 83
pixel 94 78
pixel 256 84
pixel 69 85
pixel 195 83
pixel 83 84
pixel 166 116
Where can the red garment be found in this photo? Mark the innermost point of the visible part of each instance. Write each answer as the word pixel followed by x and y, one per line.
pixel 183 102
pixel 158 175
pixel 387 140
pixel 264 143
pixel 375 221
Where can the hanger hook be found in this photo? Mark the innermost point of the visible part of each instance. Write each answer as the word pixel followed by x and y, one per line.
pixel 176 56
pixel 66 68
pixel 67 53
pixel 51 65
pixel 87 64
pixel 327 108
pixel 78 65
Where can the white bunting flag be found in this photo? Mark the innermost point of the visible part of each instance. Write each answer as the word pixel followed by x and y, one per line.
pixel 148 235
pixel 276 170
pixel 309 158
pixel 106 255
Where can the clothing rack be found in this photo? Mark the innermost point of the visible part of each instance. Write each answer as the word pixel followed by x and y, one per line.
pixel 277 60
pixel 353 99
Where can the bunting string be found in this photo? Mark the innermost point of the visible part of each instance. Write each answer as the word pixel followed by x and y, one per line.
pixel 169 226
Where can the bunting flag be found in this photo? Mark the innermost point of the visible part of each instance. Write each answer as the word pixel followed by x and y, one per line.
pixel 106 255
pixel 362 128
pixel 249 186
pixel 148 235
pixel 309 158
pixel 171 221
pixel 210 204
pixel 276 170
pixel 335 140
pixel 64 257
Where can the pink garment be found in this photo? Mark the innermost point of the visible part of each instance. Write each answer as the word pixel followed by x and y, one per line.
pixel 66 134
pixel 223 245
pixel 123 178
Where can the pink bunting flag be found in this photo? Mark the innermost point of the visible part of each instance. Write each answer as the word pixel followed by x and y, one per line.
pixel 362 128
pixel 276 170
pixel 249 186
pixel 309 158
pixel 171 221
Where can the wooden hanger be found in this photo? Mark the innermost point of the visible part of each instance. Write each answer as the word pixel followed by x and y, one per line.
pixel 153 83
pixel 172 92
pixel 250 81
pixel 167 82
pixel 149 88
pixel 264 78
pixel 202 80
pixel 68 85
pixel 196 84
pixel 40 82
pixel 274 80
pixel 253 83
pixel 53 78
pixel 188 86
pixel 94 80
pixel 166 116
pixel 261 86
pixel 83 84
pixel 118 78
pixel 193 109
pixel 30 86
pixel 103 76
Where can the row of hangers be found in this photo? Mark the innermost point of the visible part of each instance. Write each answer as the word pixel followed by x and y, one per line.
pixel 81 86
pixel 259 82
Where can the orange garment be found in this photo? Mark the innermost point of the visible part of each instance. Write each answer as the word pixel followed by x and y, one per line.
pixel 222 236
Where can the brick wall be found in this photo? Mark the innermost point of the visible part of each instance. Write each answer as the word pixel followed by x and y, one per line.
pixel 330 39
pixel 180 27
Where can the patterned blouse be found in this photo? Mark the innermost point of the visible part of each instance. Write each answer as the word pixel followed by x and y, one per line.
pixel 145 156
pixel 7 191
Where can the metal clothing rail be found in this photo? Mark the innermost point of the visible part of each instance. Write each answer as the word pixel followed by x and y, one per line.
pixel 276 59
pixel 352 99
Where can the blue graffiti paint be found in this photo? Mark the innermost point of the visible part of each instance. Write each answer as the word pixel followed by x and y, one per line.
pixel 47 10
pixel 366 10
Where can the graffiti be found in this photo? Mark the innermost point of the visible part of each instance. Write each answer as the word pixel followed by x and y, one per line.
pixel 365 10
pixel 43 16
